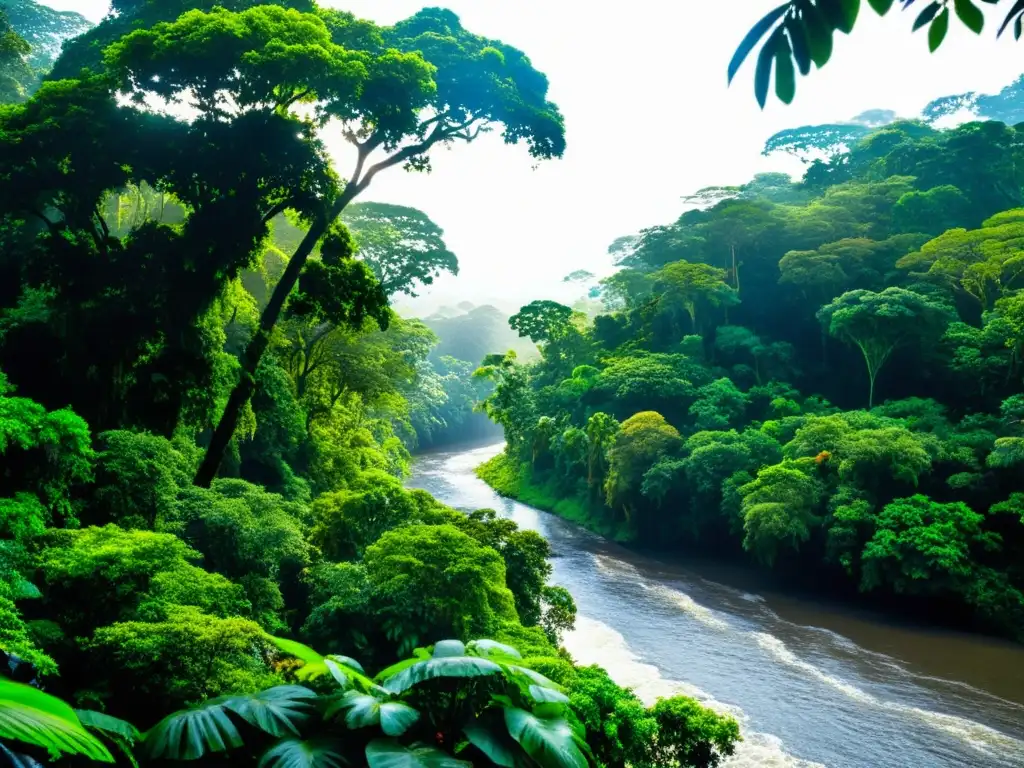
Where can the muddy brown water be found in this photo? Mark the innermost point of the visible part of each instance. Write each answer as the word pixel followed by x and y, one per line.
pixel 811 683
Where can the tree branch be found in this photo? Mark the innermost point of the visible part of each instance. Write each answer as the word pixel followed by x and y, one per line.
pixel 274 211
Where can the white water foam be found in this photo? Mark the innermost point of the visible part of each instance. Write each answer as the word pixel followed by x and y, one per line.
pixel 681 600
pixel 980 737
pixel 593 642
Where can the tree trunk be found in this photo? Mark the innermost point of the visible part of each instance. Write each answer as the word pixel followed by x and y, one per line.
pixel 246 385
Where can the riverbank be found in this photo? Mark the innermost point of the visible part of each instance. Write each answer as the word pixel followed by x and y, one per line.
pixel 812 683
pixel 797 579
pixel 517 482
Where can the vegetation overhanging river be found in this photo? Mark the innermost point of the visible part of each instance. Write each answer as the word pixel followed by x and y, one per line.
pixel 809 684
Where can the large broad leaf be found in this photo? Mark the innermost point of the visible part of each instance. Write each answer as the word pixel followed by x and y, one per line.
pixel 385 753
pixel 444 648
pixel 311 753
pixel 362 711
pixel 549 741
pixel 29 715
pixel 109 725
pixel 499 747
pixel 277 711
pixel 545 695
pixel 192 733
pixel 447 666
pixel 491 648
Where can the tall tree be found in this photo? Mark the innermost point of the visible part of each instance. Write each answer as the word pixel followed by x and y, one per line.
pixel 399 91
pixel 401 245
pixel 880 323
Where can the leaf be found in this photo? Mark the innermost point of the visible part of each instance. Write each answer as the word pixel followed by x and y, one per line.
pixel 347 661
pixel 276 711
pixel 763 72
pixel 347 677
pixel 449 648
pixel 29 715
pixel 881 7
pixel 1014 15
pixel 547 695
pixel 298 753
pixel 801 51
pixel 500 748
pixel 549 741
pixel 970 15
pixel 393 717
pixel 298 650
pixel 431 669
pixel 819 36
pixel 926 15
pixel 114 726
pixel 1016 28
pixel 193 733
pixel 937 31
pixel 489 648
pixel 839 14
pixel 750 40
pixel 386 753
pixel 848 12
pixel 314 665
pixel 785 76
pixel 535 677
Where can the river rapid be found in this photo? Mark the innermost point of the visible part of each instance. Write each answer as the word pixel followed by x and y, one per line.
pixel 811 684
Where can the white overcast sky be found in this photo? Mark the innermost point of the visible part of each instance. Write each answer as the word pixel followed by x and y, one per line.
pixel 648 117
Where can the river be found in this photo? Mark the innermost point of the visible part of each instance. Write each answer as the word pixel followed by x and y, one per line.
pixel 811 684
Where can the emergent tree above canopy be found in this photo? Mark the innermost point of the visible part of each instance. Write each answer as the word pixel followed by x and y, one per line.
pixel 392 92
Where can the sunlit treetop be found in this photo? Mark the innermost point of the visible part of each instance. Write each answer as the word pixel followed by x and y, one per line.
pixel 425 79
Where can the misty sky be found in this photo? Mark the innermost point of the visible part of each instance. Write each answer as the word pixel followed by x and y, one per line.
pixel 649 118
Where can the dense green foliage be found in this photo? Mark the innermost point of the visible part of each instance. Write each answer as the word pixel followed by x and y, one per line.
pixel 169 280
pixel 823 376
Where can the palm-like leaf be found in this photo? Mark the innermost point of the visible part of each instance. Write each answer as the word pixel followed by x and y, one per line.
pixel 29 715
pixel 549 741
pixel 311 753
pixel 386 753
pixel 109 725
pixel 192 733
pixel 276 711
pixel 363 710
